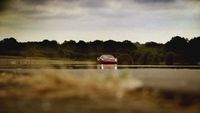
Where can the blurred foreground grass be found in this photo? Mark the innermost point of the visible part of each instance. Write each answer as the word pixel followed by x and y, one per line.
pixel 92 92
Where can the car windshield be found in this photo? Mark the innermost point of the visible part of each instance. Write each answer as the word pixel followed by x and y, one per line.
pixel 107 56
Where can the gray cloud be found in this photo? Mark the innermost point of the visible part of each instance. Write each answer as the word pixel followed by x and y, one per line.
pixel 36 2
pixel 32 4
pixel 64 9
pixel 93 3
pixel 36 17
pixel 155 1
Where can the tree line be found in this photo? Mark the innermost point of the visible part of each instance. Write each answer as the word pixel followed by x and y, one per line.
pixel 178 50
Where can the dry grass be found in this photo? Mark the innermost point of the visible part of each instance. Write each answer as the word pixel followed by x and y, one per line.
pixel 9 61
pixel 80 92
pixel 51 84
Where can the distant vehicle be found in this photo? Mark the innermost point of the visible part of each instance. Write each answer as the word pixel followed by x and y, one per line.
pixel 107 59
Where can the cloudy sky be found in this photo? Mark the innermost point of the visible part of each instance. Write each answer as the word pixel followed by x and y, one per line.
pixel 135 20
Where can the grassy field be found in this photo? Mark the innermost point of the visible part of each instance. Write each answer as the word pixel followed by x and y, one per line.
pixel 47 91
pixel 38 62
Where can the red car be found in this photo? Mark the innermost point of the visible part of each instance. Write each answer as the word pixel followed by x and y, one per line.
pixel 107 59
